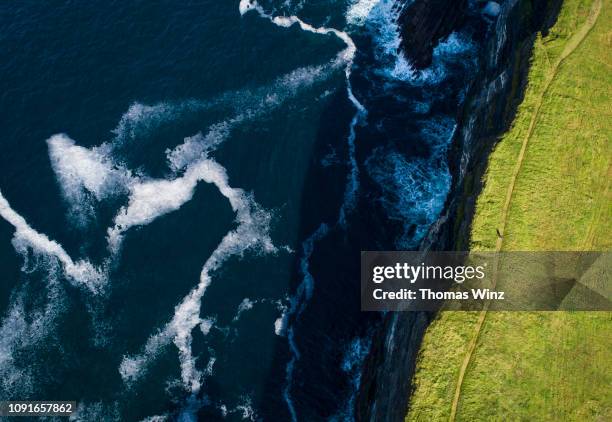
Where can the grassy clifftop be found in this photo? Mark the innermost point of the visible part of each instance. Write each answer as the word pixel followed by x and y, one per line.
pixel 547 187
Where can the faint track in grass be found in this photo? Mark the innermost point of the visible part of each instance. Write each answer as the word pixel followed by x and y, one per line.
pixel 573 43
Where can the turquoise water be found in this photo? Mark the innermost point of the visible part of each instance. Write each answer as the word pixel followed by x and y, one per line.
pixel 185 192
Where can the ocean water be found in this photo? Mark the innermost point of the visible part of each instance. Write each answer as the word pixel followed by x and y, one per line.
pixel 185 189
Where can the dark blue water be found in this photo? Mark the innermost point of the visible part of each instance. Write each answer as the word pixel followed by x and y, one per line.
pixel 185 192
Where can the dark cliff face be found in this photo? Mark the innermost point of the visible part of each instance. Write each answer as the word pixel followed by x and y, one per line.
pixel 491 102
pixel 424 23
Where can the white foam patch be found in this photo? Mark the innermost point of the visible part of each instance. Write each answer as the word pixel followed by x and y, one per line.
pixel 156 418
pixel 455 48
pixel 208 371
pixel 247 412
pixel 246 305
pixel 90 175
pixel 455 44
pixel 206 325
pixel 152 198
pixel 382 22
pixel 359 11
pixel 280 324
pixel 141 119
pixel 249 106
pixel 142 115
pixel 248 5
pixel 198 146
pixel 132 368
pixel 21 329
pixel 81 273
pixel 250 235
pixel 85 175
pixel 148 200
pixel 244 409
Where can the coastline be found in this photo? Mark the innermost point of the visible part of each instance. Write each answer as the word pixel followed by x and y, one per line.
pixel 492 103
pixel 546 187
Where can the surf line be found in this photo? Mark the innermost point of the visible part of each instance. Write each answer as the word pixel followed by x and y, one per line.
pixel 346 57
pixel 305 288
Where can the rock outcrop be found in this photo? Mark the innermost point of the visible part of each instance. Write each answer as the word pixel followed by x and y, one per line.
pixel 424 23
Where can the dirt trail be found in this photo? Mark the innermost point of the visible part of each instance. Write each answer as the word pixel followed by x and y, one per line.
pixel 574 41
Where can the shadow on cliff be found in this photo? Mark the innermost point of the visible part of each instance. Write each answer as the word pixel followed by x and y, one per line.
pixel 388 371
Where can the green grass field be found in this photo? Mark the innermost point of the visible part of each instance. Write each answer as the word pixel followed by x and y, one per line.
pixel 547 187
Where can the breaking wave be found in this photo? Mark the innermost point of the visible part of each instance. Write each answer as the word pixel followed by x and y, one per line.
pixel 359 11
pixel 414 189
pixel 382 23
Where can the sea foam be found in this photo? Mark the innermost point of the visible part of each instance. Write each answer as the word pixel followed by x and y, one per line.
pixel 85 175
pixel 81 273
pixel 359 11
pixel 305 289
pixel 352 362
pixel 246 305
pixel 346 57
pixel 250 235
pixel 25 328
pixel 151 198
pixel 414 189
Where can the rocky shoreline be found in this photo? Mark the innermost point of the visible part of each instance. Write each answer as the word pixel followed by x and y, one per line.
pixel 424 23
pixel 489 109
